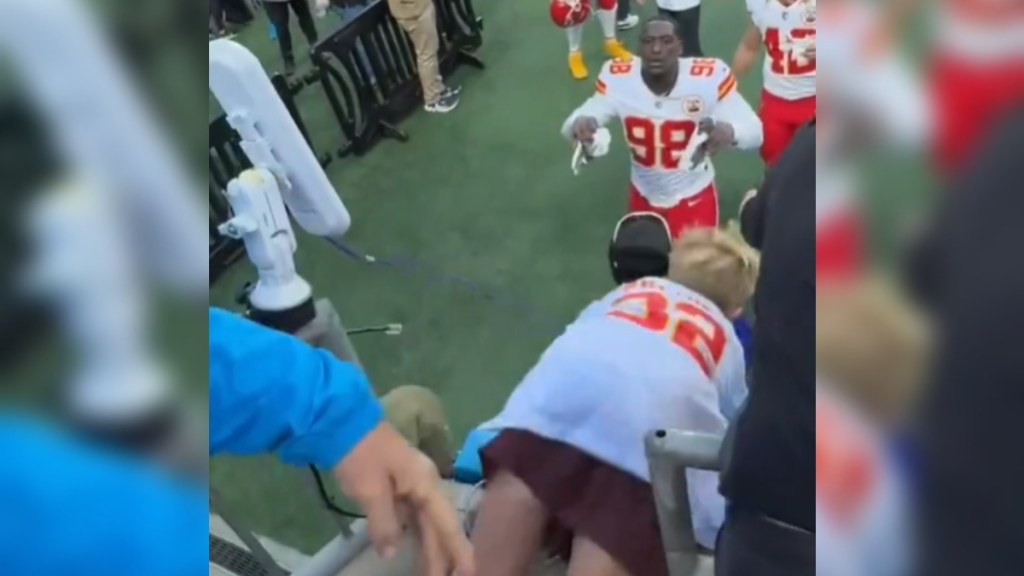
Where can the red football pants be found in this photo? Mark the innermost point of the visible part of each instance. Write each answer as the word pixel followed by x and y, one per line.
pixel 839 247
pixel 969 98
pixel 700 211
pixel 781 119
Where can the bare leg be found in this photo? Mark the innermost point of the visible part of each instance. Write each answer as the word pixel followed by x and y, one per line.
pixel 589 559
pixel 508 529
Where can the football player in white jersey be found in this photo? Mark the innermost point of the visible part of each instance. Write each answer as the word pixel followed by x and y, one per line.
pixel 572 15
pixel 665 103
pixel 788 31
pixel 978 68
pixel 654 353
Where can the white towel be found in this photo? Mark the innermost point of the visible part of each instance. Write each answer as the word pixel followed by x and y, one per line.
pixel 599 147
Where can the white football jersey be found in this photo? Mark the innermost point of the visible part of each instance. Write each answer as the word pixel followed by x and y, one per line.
pixel 862 525
pixel 649 355
pixel 658 128
pixel 785 74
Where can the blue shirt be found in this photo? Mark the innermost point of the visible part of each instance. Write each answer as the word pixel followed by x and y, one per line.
pixel 68 508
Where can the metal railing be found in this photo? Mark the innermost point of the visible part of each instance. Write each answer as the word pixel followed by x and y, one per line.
pixel 670 453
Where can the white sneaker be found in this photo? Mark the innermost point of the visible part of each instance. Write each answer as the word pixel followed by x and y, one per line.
pixel 446 103
pixel 628 22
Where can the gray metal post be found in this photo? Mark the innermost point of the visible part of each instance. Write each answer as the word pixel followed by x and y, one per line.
pixel 669 454
pixel 326 331
pixel 336 554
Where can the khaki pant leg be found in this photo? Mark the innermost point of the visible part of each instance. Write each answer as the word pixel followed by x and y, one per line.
pixel 423 33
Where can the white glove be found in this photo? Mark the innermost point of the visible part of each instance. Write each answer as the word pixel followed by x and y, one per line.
pixel 584 152
pixel 320 7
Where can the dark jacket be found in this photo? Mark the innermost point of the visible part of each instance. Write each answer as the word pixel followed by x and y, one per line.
pixel 771 468
pixel 972 509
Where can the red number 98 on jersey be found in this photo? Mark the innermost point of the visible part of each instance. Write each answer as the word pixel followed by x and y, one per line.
pixel 658 144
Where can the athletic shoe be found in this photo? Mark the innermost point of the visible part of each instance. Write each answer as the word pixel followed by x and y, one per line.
pixel 451 91
pixel 446 103
pixel 577 67
pixel 628 23
pixel 615 50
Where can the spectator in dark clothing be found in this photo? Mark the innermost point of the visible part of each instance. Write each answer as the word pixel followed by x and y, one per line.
pixel 686 13
pixel 217 25
pixel 768 474
pixel 972 511
pixel 625 19
pixel 278 11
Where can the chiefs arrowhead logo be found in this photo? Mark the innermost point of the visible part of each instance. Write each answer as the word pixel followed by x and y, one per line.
pixel 693 105
pixel 811 16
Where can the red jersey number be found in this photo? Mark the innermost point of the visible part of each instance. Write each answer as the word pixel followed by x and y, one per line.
pixel 691 328
pixel 783 61
pixel 658 144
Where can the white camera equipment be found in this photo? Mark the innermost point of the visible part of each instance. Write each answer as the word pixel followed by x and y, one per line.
pixel 98 119
pixel 286 178
pixel 285 173
pixel 125 180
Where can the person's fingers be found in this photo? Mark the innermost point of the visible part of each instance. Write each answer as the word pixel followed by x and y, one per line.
pixel 436 513
pixel 383 524
pixel 432 559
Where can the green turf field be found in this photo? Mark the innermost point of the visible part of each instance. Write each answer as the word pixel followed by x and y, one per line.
pixel 484 194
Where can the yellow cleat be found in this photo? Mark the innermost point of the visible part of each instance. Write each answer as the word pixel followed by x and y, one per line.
pixel 616 50
pixel 577 67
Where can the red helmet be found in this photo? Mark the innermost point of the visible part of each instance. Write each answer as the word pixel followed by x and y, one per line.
pixel 566 13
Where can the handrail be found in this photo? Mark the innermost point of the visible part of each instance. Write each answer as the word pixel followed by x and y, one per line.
pixel 670 453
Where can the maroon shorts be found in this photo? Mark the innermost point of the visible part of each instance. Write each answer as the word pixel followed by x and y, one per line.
pixel 585 497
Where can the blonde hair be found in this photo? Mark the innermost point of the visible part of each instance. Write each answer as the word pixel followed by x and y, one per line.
pixel 716 263
pixel 873 345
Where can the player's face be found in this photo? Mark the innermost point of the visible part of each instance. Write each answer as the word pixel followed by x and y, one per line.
pixel 660 48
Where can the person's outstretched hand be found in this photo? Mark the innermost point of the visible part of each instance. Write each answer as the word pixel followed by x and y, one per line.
pixel 392 483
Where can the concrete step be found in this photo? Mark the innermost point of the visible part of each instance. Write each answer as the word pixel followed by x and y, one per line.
pixel 287 557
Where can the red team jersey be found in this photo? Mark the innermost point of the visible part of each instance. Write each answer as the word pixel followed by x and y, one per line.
pixel 658 130
pixel 790 81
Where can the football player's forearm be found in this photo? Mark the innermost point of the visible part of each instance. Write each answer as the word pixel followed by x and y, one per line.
pixel 747 129
pixel 747 52
pixel 595 108
pixel 743 60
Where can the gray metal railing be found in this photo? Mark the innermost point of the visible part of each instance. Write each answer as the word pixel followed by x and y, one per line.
pixel 670 453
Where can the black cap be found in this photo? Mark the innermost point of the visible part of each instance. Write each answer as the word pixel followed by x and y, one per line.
pixel 640 247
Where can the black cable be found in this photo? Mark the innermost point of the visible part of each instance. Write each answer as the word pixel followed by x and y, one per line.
pixel 328 502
